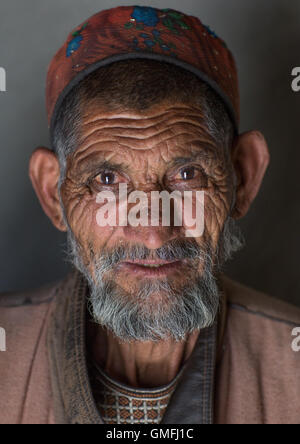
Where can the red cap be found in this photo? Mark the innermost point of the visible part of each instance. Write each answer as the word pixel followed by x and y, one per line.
pixel 129 32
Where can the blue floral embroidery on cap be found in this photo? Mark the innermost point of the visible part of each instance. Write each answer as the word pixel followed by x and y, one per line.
pixel 149 43
pixel 155 39
pixel 145 15
pixel 168 19
pixel 75 43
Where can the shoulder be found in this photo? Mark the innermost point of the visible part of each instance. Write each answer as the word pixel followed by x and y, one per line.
pixel 34 297
pixel 24 320
pixel 258 304
pixel 259 363
pixel 27 310
pixel 23 314
pixel 38 296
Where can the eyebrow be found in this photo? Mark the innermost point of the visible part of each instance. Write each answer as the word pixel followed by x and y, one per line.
pixel 108 165
pixel 99 165
pixel 200 155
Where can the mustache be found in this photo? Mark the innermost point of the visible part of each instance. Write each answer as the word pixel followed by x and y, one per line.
pixel 176 249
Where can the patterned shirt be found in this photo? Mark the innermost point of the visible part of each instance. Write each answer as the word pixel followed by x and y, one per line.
pixel 121 404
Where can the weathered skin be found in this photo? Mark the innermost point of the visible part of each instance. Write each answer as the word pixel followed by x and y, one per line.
pixel 150 151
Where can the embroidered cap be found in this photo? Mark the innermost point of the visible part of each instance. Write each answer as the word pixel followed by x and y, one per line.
pixel 129 32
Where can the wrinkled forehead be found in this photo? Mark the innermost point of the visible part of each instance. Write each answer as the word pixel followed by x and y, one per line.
pixel 163 133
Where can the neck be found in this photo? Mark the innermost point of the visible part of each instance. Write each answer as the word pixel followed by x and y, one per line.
pixel 139 364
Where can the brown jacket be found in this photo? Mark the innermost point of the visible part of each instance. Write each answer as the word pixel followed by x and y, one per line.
pixel 242 370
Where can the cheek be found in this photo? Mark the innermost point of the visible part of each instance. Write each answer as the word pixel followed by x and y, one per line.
pixel 216 212
pixel 82 216
pixel 213 208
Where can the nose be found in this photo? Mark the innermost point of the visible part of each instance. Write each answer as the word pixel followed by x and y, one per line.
pixel 156 232
pixel 151 237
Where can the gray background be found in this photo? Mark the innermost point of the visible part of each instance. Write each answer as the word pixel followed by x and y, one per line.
pixel 264 35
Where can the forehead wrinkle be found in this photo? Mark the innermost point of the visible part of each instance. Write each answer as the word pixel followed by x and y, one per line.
pixel 199 150
pixel 137 124
pixel 152 145
pixel 151 142
pixel 142 117
pixel 140 134
pixel 82 152
pixel 115 122
pixel 117 143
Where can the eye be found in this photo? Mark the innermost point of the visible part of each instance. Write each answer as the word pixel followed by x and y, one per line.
pixel 188 173
pixel 191 175
pixel 106 178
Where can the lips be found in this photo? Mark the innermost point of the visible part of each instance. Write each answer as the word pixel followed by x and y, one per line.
pixel 151 268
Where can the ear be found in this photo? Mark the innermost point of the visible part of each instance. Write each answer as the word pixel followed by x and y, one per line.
pixel 250 158
pixel 44 174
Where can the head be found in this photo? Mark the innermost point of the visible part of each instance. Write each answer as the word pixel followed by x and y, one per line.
pixel 154 127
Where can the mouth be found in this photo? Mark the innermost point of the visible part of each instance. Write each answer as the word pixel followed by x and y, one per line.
pixel 151 268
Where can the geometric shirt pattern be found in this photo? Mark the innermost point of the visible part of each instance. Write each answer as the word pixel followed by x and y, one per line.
pixel 120 404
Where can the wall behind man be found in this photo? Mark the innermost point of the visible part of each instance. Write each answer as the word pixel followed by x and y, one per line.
pixel 264 35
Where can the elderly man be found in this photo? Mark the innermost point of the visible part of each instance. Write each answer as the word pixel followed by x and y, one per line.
pixel 147 328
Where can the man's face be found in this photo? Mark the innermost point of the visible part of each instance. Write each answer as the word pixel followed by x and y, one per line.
pixel 164 148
